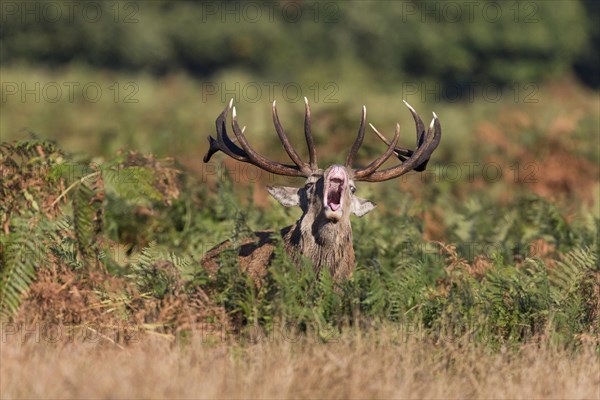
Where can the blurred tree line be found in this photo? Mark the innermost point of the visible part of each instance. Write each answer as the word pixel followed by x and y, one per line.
pixel 457 42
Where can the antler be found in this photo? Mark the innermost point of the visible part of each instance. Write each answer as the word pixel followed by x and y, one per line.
pixel 359 138
pixel 411 160
pixel 247 154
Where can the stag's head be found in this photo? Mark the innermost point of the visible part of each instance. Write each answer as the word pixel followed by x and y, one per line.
pixel 328 196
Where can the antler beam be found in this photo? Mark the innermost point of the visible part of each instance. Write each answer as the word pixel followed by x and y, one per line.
pixel 427 142
pixel 248 155
pixel 417 160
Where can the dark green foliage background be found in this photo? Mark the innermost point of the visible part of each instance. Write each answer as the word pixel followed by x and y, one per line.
pixel 452 43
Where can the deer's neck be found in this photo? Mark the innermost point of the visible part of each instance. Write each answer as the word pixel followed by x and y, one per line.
pixel 326 244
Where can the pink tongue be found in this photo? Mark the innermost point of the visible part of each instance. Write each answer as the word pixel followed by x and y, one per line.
pixel 334 206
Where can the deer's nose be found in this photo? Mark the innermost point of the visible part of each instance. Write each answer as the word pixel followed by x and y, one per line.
pixel 337 172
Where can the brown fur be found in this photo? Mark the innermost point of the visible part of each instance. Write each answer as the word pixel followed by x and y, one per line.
pixel 326 242
pixel 254 255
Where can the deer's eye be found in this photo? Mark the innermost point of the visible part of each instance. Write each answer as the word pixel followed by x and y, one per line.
pixel 309 186
pixel 353 189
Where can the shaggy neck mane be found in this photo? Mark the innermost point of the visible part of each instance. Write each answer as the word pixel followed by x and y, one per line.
pixel 325 243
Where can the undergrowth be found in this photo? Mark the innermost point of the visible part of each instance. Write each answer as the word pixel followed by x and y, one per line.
pixel 108 241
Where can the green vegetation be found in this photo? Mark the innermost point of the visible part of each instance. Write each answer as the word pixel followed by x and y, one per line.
pixel 106 207
pixel 128 234
pixel 452 44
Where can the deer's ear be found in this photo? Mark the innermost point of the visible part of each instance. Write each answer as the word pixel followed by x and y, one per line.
pixel 361 207
pixel 285 195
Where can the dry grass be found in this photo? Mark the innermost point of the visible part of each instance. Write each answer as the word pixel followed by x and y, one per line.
pixel 378 366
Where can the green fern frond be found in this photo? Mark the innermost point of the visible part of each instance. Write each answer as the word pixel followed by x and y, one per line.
pixel 87 215
pixel 566 277
pixel 153 274
pixel 17 274
pixel 20 254
pixel 148 255
pixel 184 265
pixel 134 184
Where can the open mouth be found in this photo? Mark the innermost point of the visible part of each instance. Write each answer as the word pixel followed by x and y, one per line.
pixel 334 190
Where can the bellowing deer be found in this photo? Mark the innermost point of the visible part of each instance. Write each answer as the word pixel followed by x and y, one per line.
pixel 323 234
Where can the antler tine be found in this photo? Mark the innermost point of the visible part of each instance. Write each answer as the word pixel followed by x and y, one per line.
pixel 417 160
pixel 223 142
pixel 418 123
pixel 309 139
pixel 359 139
pixel 420 135
pixel 246 153
pixel 403 153
pixel 400 152
pixel 382 158
pixel 287 145
pixel 260 161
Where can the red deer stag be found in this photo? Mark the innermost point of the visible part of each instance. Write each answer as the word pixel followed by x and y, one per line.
pixel 323 234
